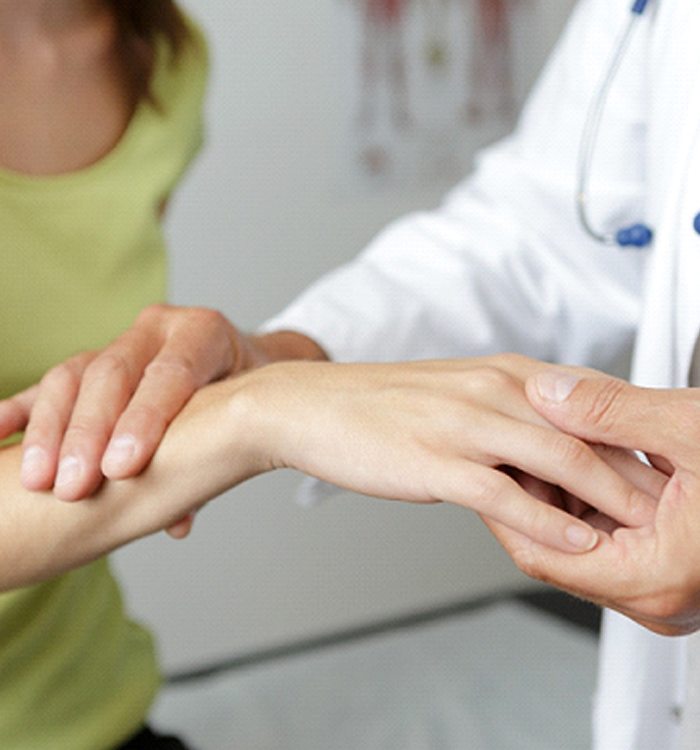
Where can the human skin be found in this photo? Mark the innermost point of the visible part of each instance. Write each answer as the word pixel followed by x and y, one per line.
pixel 59 69
pixel 420 432
pixel 650 573
pixel 107 411
pixel 41 537
pixel 65 105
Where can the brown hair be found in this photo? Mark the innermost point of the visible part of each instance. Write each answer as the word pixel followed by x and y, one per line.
pixel 140 26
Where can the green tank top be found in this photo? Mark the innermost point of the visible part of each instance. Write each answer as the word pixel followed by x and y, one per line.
pixel 81 254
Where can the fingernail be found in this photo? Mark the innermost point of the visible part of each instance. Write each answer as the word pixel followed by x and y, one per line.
pixel 34 461
pixel 120 451
pixel 69 470
pixel 555 386
pixel 581 537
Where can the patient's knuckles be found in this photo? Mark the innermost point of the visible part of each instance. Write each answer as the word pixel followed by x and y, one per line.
pixel 484 383
pixel 488 491
pixel 535 518
pixel 570 454
pixel 517 366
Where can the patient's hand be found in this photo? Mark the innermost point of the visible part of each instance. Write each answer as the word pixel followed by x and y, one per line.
pixel 442 431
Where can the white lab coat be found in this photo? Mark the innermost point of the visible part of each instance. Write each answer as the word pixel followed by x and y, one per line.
pixel 503 265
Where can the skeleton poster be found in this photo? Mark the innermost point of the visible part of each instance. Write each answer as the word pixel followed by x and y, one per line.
pixel 424 81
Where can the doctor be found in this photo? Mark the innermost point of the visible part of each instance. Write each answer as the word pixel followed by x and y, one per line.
pixel 510 262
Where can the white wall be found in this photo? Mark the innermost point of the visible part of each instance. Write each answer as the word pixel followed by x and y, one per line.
pixel 263 214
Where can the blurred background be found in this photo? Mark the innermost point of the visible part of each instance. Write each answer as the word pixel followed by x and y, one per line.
pixel 315 141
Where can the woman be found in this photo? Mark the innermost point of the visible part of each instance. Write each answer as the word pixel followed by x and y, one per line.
pixel 101 114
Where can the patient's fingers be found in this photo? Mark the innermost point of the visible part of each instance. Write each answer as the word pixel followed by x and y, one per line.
pixel 494 494
pixel 570 463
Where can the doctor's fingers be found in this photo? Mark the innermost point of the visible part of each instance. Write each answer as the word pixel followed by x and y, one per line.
pixel 106 391
pixel 183 527
pixel 567 462
pixel 622 573
pixel 54 399
pixel 15 411
pixel 148 373
pixel 584 578
pixel 77 405
pixel 495 495
pixel 603 409
pixel 88 414
pixel 651 480
pixel 200 348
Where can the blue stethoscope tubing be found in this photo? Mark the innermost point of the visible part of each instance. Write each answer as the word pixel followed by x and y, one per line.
pixel 638 235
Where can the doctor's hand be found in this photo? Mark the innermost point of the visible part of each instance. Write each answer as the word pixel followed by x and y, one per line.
pixel 104 413
pixel 650 573
pixel 441 431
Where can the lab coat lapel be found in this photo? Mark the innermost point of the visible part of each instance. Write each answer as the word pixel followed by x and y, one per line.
pixel 687 198
pixel 671 318
pixel 683 196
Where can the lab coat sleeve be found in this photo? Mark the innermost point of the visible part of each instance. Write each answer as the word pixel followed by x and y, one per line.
pixel 503 265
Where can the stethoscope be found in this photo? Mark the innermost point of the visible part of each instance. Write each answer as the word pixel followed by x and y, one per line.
pixel 637 235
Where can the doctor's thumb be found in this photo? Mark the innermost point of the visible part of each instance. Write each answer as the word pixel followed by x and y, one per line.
pixel 594 407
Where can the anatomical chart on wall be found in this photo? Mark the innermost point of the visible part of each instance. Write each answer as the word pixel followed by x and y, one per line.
pixel 426 81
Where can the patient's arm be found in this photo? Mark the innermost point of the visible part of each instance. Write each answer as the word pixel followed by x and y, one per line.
pixel 419 432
